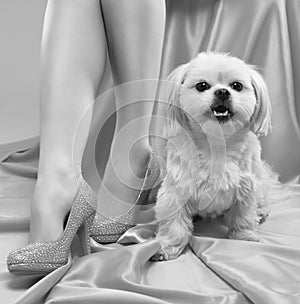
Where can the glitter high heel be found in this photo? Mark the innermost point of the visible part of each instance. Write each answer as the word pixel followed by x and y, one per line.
pixel 106 230
pixel 42 258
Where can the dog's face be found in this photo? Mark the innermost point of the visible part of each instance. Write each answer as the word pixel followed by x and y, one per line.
pixel 217 88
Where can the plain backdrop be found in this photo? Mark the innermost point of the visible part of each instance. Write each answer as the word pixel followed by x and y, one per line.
pixel 21 24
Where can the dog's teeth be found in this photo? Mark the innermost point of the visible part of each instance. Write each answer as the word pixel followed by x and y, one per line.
pixel 220 114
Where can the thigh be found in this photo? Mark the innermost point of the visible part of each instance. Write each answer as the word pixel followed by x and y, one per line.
pixel 135 31
pixel 73 40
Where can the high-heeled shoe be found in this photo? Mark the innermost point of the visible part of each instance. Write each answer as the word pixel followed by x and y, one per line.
pixel 109 230
pixel 42 258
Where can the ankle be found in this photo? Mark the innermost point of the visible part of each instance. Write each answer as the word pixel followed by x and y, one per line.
pixel 139 158
pixel 126 158
pixel 55 190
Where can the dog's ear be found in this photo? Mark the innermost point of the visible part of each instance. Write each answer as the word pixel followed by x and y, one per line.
pixel 174 84
pixel 261 119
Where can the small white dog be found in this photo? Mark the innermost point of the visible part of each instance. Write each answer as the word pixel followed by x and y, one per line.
pixel 218 106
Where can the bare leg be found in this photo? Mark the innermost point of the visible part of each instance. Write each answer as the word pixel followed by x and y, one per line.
pixel 72 62
pixel 135 32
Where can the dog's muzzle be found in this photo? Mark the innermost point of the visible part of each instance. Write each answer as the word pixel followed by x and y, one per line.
pixel 221 108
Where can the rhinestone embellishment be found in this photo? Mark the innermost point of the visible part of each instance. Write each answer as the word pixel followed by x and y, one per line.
pixel 48 256
pixel 106 230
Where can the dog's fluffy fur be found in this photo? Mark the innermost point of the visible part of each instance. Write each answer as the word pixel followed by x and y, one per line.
pixel 213 160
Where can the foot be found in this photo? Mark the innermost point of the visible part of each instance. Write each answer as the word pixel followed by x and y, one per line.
pixel 52 200
pixel 122 182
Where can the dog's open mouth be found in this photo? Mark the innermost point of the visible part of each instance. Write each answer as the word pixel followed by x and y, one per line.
pixel 222 113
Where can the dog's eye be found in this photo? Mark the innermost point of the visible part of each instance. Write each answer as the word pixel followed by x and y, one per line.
pixel 202 86
pixel 237 86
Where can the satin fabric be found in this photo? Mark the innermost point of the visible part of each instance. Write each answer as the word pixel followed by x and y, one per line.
pixel 213 269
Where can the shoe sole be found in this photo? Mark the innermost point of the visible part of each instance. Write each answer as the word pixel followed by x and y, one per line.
pixel 31 269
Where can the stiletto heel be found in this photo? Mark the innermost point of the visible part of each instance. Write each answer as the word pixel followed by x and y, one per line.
pixel 106 230
pixel 84 233
pixel 42 258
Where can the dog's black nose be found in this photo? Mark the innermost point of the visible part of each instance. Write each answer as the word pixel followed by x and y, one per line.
pixel 222 94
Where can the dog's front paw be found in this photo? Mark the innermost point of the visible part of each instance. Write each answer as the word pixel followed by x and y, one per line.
pixel 262 213
pixel 245 235
pixel 168 253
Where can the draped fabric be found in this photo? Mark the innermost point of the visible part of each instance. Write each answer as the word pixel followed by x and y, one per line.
pixel 212 269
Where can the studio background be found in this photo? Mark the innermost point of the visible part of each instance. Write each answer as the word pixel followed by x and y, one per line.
pixel 20 34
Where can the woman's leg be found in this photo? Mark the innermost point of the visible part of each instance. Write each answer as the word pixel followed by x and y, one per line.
pixel 135 31
pixel 72 63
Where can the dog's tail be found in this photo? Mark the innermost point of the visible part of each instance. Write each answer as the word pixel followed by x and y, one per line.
pixel 277 192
